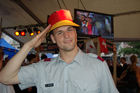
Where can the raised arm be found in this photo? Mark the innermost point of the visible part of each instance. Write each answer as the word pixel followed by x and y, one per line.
pixel 9 74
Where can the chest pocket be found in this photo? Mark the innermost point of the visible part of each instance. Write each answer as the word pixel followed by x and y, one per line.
pixel 87 86
pixel 86 83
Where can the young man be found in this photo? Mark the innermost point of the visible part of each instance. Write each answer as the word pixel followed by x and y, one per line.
pixel 71 72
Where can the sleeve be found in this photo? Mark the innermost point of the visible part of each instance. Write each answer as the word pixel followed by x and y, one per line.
pixel 27 76
pixel 106 80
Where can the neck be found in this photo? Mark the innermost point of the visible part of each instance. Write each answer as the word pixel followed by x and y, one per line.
pixel 68 56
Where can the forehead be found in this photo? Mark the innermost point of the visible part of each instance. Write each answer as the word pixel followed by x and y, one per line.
pixel 62 28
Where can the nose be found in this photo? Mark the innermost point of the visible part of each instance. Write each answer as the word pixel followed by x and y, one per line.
pixel 66 34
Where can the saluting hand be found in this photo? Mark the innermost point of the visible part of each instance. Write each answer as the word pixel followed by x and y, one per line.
pixel 38 39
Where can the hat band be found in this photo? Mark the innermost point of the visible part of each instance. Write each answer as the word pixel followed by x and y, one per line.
pixel 63 23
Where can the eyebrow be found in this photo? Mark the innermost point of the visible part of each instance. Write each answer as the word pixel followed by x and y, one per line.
pixel 70 27
pixel 62 30
pixel 59 31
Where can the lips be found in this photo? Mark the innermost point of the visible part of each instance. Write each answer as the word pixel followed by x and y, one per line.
pixel 67 41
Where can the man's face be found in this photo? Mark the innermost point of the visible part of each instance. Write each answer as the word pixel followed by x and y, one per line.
pixel 65 37
pixel 122 60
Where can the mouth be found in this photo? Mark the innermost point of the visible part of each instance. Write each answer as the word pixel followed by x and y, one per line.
pixel 67 41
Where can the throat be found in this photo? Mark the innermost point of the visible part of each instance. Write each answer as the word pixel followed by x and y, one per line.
pixel 68 57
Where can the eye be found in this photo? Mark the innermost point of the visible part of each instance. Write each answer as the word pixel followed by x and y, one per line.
pixel 71 29
pixel 59 33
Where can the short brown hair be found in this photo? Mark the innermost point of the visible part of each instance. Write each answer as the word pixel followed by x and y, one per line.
pixel 133 58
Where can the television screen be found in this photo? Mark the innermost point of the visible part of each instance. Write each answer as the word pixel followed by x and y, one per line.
pixel 94 24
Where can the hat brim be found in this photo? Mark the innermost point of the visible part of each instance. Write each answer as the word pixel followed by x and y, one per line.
pixel 63 23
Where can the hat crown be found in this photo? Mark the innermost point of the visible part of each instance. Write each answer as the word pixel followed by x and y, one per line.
pixel 59 16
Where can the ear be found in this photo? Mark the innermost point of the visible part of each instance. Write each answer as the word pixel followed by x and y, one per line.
pixel 52 38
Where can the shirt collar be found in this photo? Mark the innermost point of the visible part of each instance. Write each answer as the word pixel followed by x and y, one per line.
pixel 78 57
pixel 59 58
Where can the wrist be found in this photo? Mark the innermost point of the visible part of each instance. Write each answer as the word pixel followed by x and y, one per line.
pixel 26 47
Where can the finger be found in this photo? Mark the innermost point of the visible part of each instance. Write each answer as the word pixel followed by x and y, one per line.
pixel 46 30
pixel 42 34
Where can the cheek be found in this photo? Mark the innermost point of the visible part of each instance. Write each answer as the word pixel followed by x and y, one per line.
pixel 75 35
pixel 59 40
pixel 59 44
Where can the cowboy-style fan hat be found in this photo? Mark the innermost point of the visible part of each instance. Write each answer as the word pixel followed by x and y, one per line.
pixel 61 18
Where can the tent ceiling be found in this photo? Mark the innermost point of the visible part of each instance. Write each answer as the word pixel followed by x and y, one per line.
pixel 13 14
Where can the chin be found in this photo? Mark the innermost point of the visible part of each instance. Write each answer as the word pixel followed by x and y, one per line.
pixel 69 48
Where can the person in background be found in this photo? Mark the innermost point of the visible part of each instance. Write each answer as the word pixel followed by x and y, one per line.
pixel 130 76
pixel 138 77
pixel 43 56
pixel 83 24
pixel 31 58
pixel 89 25
pixel 123 64
pixel 110 65
pixel 73 71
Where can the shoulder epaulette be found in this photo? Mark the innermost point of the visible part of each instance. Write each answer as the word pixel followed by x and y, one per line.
pixel 100 58
pixel 47 59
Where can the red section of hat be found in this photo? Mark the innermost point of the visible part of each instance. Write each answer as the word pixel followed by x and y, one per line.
pixel 59 16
